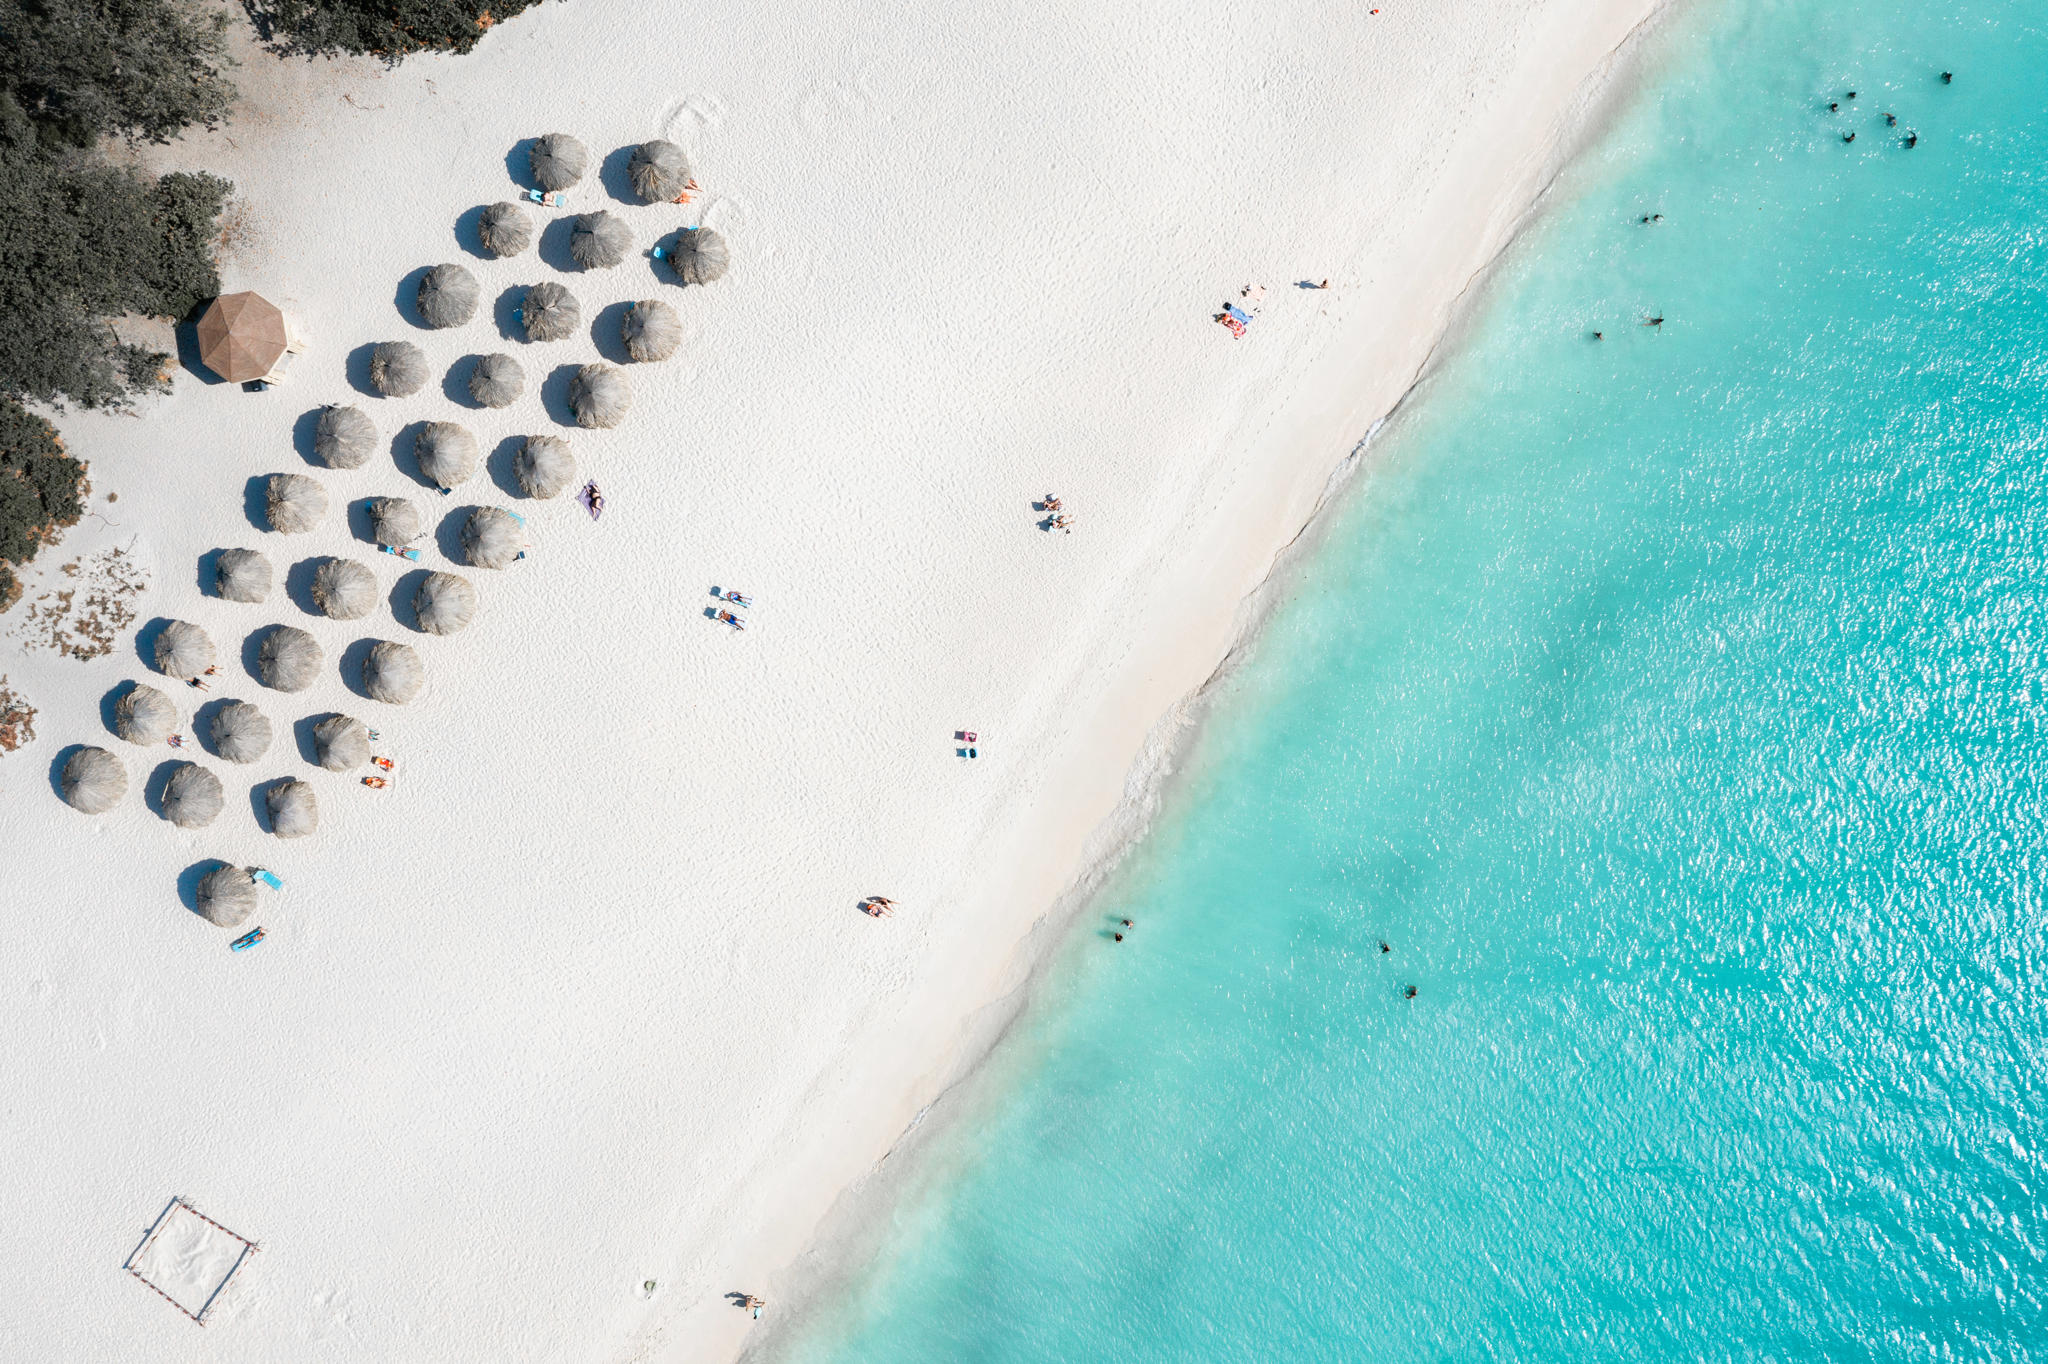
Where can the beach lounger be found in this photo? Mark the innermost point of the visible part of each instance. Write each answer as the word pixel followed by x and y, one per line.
pixel 266 877
pixel 411 554
pixel 246 941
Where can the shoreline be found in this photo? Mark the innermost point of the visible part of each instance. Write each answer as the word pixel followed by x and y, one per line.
pixel 855 1226
pixel 598 945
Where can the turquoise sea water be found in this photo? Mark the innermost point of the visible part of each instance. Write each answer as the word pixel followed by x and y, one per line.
pixel 1673 706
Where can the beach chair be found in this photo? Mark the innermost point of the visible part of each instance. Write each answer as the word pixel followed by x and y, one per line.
pixel 545 198
pixel 412 554
pixel 268 878
pixel 246 941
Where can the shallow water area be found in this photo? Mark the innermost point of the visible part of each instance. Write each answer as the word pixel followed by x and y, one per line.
pixel 1669 706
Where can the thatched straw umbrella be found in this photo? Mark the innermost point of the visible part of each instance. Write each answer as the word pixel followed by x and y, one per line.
pixel 659 171
pixel 399 369
pixel 447 453
pixel 558 161
pixel 392 673
pixel 293 811
pixel 497 380
pixel 183 651
pixel 395 521
pixel 506 229
pixel 544 466
pixel 345 437
pixel 226 896
pixel 341 744
pixel 241 733
pixel 448 296
pixel 492 538
pixel 145 715
pixel 444 603
pixel 241 575
pixel 344 590
pixel 550 313
pixel 699 256
pixel 599 240
pixel 600 395
pixel 651 330
pixel 288 659
pixel 93 781
pixel 193 797
pixel 296 502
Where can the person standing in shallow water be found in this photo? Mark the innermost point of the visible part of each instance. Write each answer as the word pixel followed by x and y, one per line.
pixel 1408 993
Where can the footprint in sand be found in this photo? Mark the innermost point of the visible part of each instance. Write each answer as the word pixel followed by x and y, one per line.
pixel 692 114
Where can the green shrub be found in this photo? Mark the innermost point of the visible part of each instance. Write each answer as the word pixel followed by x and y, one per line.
pixel 384 28
pixel 41 487
pixel 81 69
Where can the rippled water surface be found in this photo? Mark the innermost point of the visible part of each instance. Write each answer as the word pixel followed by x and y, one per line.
pixel 1672 706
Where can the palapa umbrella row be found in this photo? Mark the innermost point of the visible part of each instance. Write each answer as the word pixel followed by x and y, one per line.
pixel 659 171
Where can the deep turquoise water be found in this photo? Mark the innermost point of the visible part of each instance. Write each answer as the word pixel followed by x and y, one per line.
pixel 1673 705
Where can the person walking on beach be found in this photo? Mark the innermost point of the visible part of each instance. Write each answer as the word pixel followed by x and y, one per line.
pixel 753 1304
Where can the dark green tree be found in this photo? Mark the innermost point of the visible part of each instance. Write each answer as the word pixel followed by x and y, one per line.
pixel 384 28
pixel 82 69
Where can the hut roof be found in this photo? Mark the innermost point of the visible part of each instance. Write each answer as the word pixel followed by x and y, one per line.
pixel 651 330
pixel 444 603
pixel 558 161
pixel 395 521
pixel 448 296
pixel 497 380
pixel 144 715
pixel 398 369
pixel 505 229
pixel 341 744
pixel 544 466
pixel 550 312
pixel 93 781
pixel 193 797
pixel 296 502
pixel 344 589
pixel 659 171
pixel 599 240
pixel 288 659
pixel 241 575
pixel 392 672
pixel 226 896
pixel 183 651
pixel 447 453
pixel 699 256
pixel 345 437
pixel 241 733
pixel 241 337
pixel 492 538
pixel 293 810
pixel 600 395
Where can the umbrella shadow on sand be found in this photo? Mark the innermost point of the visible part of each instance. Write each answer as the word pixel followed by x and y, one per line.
pixel 615 176
pixel 503 474
pixel 402 596
pixel 187 331
pixel 153 788
pixel 505 312
pixel 189 879
pixel 407 297
pixel 554 394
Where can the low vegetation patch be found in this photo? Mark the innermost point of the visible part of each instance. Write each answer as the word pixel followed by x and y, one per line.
pixel 382 28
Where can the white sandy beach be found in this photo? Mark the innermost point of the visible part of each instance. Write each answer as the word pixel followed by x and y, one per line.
pixel 584 999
